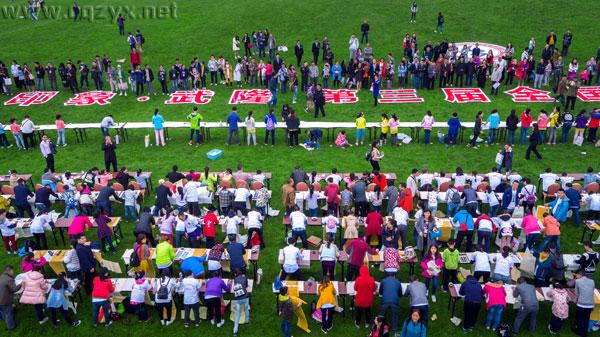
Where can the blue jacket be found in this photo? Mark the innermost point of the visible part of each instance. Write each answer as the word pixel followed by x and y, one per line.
pixel 453 125
pixel 376 85
pixel 561 211
pixel 507 195
pixel 21 194
pixel 574 197
pixel 232 120
pixel 463 217
pixel 390 290
pixel 493 120
pixel 57 298
pixel 193 264
pixel 272 118
pixel 471 290
pixel 410 329
pixel 236 255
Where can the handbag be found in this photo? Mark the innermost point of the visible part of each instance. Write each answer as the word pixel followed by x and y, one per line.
pixel 7 81
pixel 499 158
pixel 578 140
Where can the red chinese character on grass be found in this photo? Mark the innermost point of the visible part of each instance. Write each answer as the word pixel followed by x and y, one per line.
pixel 91 98
pixel 190 97
pixel 524 94
pixel 465 95
pixel 399 96
pixel 31 98
pixel 589 94
pixel 341 96
pixel 254 96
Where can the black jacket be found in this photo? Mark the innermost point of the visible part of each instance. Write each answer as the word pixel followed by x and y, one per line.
pixel 87 261
pixel 42 196
pixel 21 194
pixel 162 196
pixel 511 122
pixel 298 50
pixel 534 139
pixel 293 123
pixel 319 97
pixel 316 46
pixel 109 151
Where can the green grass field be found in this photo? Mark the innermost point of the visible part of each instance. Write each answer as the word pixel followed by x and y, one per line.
pixel 202 28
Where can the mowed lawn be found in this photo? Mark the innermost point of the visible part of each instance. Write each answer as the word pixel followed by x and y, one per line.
pixel 202 28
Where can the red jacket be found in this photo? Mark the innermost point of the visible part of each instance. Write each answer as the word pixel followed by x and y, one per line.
pixel 102 289
pixel 134 58
pixel 365 288
pixel 332 191
pixel 526 120
pixel 374 222
pixel 406 202
pixel 210 221
pixel 357 249
pixel 381 181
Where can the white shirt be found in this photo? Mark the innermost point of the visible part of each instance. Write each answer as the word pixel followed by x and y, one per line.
pixel 482 261
pixel 441 180
pixel 191 224
pixel 503 265
pixel 400 215
pixel 506 228
pixel 170 284
pixel 241 194
pixel 424 179
pixel 259 177
pixel 475 180
pixel 291 254
pixel 27 126
pixel 594 201
pixel 564 181
pixel 485 225
pixel 138 293
pixel 492 199
pixel 107 122
pixel 547 180
pixel 326 220
pixel 495 179
pixel 232 224
pixel 298 220
pixel 335 178
pixel 180 225
pixel 514 177
pixel 254 219
pixel 40 224
pixel 432 199
pixel 459 180
pixel 191 191
pixel 190 288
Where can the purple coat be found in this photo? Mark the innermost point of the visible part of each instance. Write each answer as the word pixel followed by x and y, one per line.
pixel 215 287
pixel 581 121
pixel 103 229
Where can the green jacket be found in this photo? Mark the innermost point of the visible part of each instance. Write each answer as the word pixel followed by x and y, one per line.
pixel 195 119
pixel 450 259
pixel 164 253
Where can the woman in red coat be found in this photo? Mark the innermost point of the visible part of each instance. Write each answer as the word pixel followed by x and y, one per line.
pixel 365 288
pixel 521 71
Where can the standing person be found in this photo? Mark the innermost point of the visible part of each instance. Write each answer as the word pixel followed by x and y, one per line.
pixel 298 51
pixel 7 290
pixel 106 123
pixel 364 28
pixel 8 232
pixel 163 289
pixel 57 300
pixel 319 100
pixel 375 156
pixel 34 292
pixel 496 303
pixel 353 45
pixel 87 262
pixel 365 287
pixel 326 303
pixel 417 293
pixel 440 23
pixel 526 120
pixel 103 288
pixel 476 129
pixel 110 155
pixel 375 88
pixel 390 291
pixel 357 250
pixel 250 128
pixel 195 118
pixel 512 122
pixel 432 265
pixel 139 291
pixel 293 128
pixel 584 291
pixel 286 310
pixel 361 126
pixel 17 133
pixel 450 258
pixel 270 124
pixel 413 12
pixel 212 297
pixel 242 298
pixel 48 150
pixel 453 127
pixel 560 308
pixel 159 131
pixel 414 326
pixel 529 305
pixel 27 129
pixel 60 130
pixel 190 288
pixel 121 24
pixel 493 122
pixel 427 124
pixel 232 122
pixel 473 293
pixel 76 12
pixel 572 89
pixel 534 141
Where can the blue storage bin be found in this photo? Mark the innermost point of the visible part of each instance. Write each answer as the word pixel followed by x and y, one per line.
pixel 214 154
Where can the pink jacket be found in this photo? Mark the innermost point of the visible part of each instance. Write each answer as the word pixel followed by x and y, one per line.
pixel 542 121
pixel 438 262
pixel 427 122
pixel 78 225
pixel 530 224
pixel 495 294
pixel 340 140
pixel 28 266
pixel 34 288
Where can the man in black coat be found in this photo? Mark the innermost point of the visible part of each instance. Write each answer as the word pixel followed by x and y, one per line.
pixel 299 51
pixel 316 47
pixel 162 197
pixel 145 224
pixel 103 199
pixel 21 194
pixel 319 99
pixel 87 262
pixel 174 176
pixel 42 198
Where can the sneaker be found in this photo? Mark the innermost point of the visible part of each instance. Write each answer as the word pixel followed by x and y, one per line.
pixel 221 323
pixel 487 327
pixel 108 324
pixel 197 324
pixel 76 323
pixel 162 322
pixel 186 325
pixel 43 321
pixel 8 147
pixel 324 331
pixel 356 325
pixel 433 298
pixel 65 144
pixel 169 322
pixel 212 321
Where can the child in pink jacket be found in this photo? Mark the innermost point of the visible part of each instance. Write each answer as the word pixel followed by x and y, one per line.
pixel 34 292
pixel 532 229
pixel 495 295
pixel 432 264
pixel 341 140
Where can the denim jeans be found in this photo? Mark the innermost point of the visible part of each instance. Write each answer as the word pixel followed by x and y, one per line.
pixel 494 315
pixel 452 208
pixel 178 236
pixel 493 210
pixel 104 131
pixel 427 136
pixel 530 240
pixel 237 304
pixel 285 328
pixel 551 238
pixel 302 234
pixel 360 135
pixel 576 216
pixel 313 212
pixel 510 137
pixel 233 132
pixel 434 282
pixel 96 310
pixel 483 239
pixel 68 210
pixel 197 132
pixel 104 206
pixel 566 127
pixel 130 210
pixel 19 140
pixel 60 137
pixel 523 135
pixel 542 134
pixel 7 315
pixel 394 309
pixel 492 136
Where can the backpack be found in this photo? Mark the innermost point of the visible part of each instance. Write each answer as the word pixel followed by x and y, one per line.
pixel 134 258
pixel 531 198
pixel 455 198
pixel 270 125
pixel 557 262
pixel 368 156
pixel 331 222
pixel 504 330
pixel 163 291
